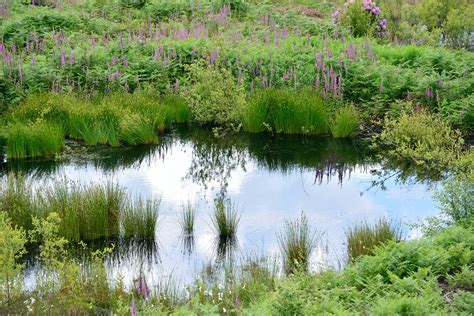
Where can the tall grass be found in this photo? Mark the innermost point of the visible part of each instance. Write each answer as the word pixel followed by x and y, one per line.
pixel 136 129
pixel 119 118
pixel 286 111
pixel 88 212
pixel 225 219
pixel 297 242
pixel 16 200
pixel 364 238
pixel 187 218
pixel 344 123
pixel 139 218
pixel 38 139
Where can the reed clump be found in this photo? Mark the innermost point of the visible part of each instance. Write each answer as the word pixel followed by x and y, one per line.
pixel 363 238
pixel 139 218
pixel 286 111
pixel 32 140
pixel 225 219
pixel 297 242
pixel 40 124
pixel 187 218
pixel 344 123
pixel 16 200
pixel 87 212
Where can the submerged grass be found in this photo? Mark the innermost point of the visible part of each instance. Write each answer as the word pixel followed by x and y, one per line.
pixel 362 239
pixel 38 139
pixel 286 111
pixel 344 123
pixel 297 242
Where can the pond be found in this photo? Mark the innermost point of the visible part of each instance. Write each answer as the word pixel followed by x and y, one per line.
pixel 270 178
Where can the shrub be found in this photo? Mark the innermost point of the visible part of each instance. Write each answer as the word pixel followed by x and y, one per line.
pixel 344 123
pixel 286 111
pixel 421 139
pixel 362 17
pixel 213 96
pixel 12 248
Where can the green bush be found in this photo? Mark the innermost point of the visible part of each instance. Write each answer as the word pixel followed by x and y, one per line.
pixel 12 248
pixel 213 95
pixel 421 139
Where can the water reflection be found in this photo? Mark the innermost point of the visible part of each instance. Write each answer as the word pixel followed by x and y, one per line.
pixel 271 178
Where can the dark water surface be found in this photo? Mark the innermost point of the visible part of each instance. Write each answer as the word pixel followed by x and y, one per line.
pixel 270 179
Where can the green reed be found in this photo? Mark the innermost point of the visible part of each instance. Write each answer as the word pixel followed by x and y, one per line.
pixel 344 123
pixel 139 218
pixel 286 111
pixel 297 242
pixel 87 212
pixel 225 219
pixel 363 238
pixel 187 218
pixel 16 200
pixel 38 139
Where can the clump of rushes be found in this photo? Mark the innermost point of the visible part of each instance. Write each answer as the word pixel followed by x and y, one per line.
pixel 364 238
pixel 187 217
pixel 86 212
pixel 136 129
pixel 286 111
pixel 176 109
pixel 225 219
pixel 297 242
pixel 344 123
pixel 38 139
pixel 139 218
pixel 16 200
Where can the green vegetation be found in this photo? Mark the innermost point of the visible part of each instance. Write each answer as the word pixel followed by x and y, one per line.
pixel 297 243
pixel 121 72
pixel 363 239
pixel 86 212
pixel 225 219
pixel 344 123
pixel 41 122
pixel 187 218
pixel 38 139
pixel 286 111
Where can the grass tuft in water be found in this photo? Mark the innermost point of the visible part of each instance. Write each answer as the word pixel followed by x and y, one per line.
pixel 297 242
pixel 16 200
pixel 364 238
pixel 286 111
pixel 88 212
pixel 187 218
pixel 136 129
pixel 140 218
pixel 225 219
pixel 38 139
pixel 344 123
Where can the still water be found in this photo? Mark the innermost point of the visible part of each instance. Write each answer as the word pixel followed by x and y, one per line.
pixel 337 183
